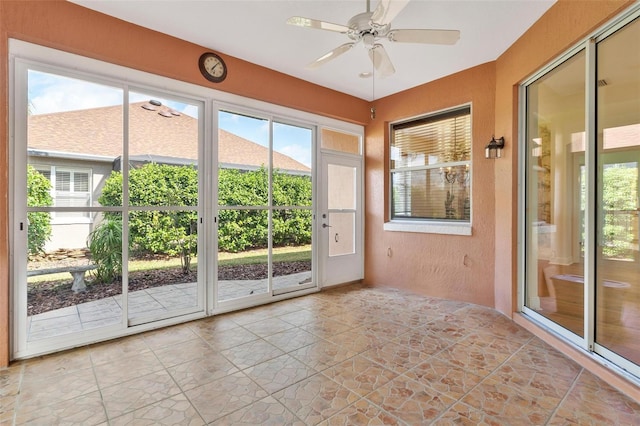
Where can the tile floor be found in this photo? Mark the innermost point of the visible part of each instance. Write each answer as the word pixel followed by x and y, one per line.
pixel 352 355
pixel 153 301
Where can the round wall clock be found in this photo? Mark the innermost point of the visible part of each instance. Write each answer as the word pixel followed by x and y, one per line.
pixel 212 67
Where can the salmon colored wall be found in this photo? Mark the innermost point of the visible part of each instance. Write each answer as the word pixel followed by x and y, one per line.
pixel 66 26
pixel 564 24
pixel 434 264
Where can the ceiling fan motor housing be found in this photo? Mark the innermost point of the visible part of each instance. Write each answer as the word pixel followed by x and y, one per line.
pixel 361 27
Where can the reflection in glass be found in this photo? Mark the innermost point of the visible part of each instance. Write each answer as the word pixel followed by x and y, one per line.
pixel 555 202
pixel 432 194
pixel 618 144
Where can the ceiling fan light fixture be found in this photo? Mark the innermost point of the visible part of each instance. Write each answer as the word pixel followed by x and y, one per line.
pixel 369 40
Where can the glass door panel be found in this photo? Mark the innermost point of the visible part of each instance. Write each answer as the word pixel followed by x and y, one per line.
pixel 555 149
pixel 243 206
pixel 243 254
pixel 292 218
pixel 163 202
pixel 74 129
pixel 618 262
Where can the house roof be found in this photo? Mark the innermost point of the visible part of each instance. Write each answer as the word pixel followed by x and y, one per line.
pixel 155 132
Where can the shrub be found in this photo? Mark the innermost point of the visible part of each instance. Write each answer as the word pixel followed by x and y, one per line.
pixel 38 195
pixel 105 244
pixel 175 233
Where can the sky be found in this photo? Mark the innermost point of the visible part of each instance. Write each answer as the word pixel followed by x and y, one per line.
pixel 50 93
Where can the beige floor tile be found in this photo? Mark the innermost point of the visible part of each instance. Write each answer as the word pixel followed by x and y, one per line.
pixel 201 371
pixel 358 340
pixel 268 326
pixel 216 323
pixel 349 355
pixel 278 373
pixel 55 364
pixel 537 354
pixel 176 410
pixel 316 398
pixel 386 329
pixel 362 412
pixel 169 336
pixel 322 355
pixel 124 369
pixel 410 401
pixel 449 379
pixel 139 392
pixel 462 414
pixel 325 327
pixel 292 339
pixel 300 317
pixel 360 375
pixel 225 339
pixel 115 350
pixel 37 393
pixel 184 352
pixel 83 410
pixel 589 389
pixel 396 357
pixel 266 412
pixel 424 342
pixel 252 353
pixel 531 381
pixel 480 357
pixel 221 397
pixel 505 402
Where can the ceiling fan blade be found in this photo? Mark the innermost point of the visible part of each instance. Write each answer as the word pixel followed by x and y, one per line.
pixel 387 10
pixel 381 61
pixel 424 36
pixel 330 55
pixel 314 23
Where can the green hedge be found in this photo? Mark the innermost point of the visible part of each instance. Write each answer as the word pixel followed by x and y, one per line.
pixel 174 233
pixel 38 195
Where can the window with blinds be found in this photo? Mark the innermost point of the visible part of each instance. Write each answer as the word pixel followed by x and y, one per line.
pixel 431 167
pixel 72 189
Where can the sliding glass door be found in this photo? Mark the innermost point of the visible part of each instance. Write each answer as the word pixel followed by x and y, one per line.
pixel 617 278
pixel 582 151
pixel 265 208
pixel 108 202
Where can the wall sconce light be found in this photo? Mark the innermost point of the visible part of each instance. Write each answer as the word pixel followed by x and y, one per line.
pixel 494 149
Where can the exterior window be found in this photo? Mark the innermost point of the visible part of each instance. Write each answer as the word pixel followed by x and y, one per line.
pixel 70 188
pixel 431 167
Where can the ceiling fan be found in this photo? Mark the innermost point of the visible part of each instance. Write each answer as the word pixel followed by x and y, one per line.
pixel 369 28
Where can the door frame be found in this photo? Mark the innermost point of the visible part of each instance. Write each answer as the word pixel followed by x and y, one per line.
pixel 347 268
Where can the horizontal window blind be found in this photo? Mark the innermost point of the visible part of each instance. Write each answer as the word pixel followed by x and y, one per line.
pixel 431 167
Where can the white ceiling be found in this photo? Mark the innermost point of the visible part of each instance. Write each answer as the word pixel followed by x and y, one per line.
pixel 255 30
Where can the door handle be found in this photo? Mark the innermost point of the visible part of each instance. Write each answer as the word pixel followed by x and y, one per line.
pixel 324 225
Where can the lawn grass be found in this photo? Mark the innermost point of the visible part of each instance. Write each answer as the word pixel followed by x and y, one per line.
pixel 280 254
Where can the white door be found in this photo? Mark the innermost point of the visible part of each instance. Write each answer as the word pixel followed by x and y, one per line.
pixel 340 219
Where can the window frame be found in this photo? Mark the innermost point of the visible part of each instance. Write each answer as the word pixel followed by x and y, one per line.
pixel 426 225
pixel 58 218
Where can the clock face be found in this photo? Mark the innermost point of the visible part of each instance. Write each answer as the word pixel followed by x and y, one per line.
pixel 212 67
